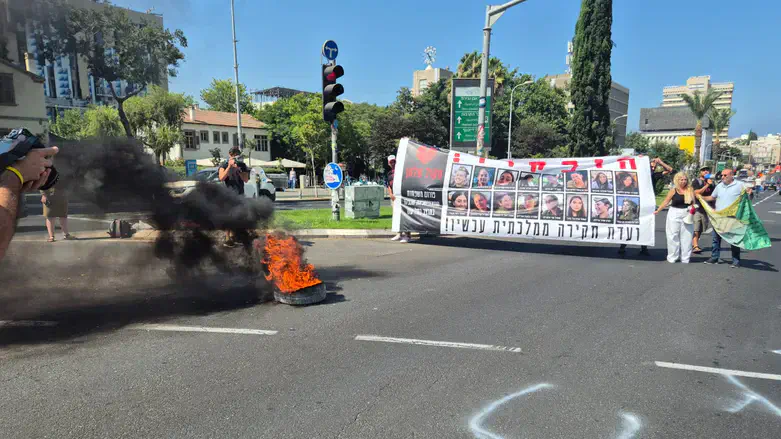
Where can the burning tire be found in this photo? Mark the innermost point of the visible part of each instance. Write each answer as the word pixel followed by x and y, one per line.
pixel 306 296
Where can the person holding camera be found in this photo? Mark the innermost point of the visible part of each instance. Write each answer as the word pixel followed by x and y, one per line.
pixel 27 174
pixel 234 173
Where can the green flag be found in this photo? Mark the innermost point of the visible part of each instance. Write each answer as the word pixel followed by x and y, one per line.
pixel 739 224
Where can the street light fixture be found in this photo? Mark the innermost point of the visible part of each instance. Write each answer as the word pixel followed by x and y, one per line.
pixel 613 125
pixel 492 14
pixel 510 129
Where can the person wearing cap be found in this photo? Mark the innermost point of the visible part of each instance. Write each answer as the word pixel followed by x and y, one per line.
pixel 703 188
pixel 234 173
pixel 402 236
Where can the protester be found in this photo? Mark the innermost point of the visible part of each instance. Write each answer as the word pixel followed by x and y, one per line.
pixel 25 175
pixel 656 176
pixel 703 188
pixel 679 233
pixel 55 205
pixel 291 183
pixel 726 193
pixel 234 173
pixel 403 237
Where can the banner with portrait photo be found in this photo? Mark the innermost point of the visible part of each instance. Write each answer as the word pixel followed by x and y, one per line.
pixel 594 199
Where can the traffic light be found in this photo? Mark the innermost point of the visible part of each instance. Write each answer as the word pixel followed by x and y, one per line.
pixel 331 107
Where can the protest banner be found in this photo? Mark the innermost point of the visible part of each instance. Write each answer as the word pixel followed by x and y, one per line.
pixel 593 199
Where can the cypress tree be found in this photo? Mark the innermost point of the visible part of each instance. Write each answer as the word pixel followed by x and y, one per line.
pixel 591 81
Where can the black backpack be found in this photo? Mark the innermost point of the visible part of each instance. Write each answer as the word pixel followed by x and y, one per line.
pixel 119 229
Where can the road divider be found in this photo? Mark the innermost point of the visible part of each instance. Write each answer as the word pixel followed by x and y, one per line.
pixel 446 344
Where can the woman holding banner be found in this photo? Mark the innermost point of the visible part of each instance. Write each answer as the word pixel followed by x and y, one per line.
pixel 679 233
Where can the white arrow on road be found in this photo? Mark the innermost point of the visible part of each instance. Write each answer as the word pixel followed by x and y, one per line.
pixel 458 136
pixel 458 119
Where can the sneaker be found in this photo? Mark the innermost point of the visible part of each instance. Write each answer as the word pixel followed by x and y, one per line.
pixel 404 239
pixel 397 237
pixel 734 265
pixel 644 251
pixel 712 262
pixel 229 243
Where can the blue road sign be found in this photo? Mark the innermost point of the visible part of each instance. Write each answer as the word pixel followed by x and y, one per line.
pixel 191 167
pixel 332 176
pixel 330 50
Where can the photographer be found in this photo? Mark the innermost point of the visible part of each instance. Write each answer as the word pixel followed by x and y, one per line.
pixel 234 173
pixel 25 175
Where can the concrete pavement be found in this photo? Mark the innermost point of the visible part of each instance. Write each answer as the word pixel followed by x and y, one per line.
pixel 591 327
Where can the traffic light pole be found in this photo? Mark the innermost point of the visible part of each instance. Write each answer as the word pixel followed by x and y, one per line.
pixel 492 13
pixel 335 159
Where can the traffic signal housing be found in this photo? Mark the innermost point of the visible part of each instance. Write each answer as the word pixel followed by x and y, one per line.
pixel 332 107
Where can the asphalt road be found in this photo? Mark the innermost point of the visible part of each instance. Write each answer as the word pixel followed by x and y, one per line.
pixel 590 326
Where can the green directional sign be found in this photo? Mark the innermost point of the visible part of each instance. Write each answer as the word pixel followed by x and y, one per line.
pixel 465 102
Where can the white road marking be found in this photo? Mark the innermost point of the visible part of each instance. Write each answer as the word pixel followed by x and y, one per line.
pixel 777 352
pixel 740 373
pixel 475 424
pixel 447 344
pixel 97 220
pixel 26 323
pixel 631 426
pixel 178 328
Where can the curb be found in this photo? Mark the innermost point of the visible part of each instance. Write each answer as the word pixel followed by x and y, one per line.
pixel 151 235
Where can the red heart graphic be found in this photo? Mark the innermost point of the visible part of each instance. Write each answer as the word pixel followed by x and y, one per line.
pixel 425 154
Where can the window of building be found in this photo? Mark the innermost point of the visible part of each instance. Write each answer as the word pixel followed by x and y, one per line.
pixel 7 94
pixel 205 136
pixel 646 121
pixel 189 140
pixel 216 137
pixel 261 143
pixel 225 137
pixel 235 139
pixel 422 84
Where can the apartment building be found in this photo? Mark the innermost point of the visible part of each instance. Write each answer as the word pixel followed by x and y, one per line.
pixel 421 79
pixel 672 95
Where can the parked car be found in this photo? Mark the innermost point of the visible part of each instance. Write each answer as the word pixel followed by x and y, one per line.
pixel 258 185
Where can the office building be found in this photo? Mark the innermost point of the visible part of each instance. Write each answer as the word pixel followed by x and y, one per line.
pixel 672 95
pixel 675 125
pixel 421 79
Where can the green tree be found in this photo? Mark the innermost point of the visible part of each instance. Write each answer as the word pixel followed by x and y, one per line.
pixel 471 65
pixel 752 135
pixel 404 103
pixel 115 48
pixel 719 120
pixel 70 125
pixel 536 137
pixel 431 118
pixel 96 121
pixel 591 80
pixel 700 105
pixel 156 119
pixel 638 142
pixel 221 96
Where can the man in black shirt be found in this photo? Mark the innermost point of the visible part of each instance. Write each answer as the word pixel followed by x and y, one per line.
pixel 234 173
pixel 658 170
pixel 703 188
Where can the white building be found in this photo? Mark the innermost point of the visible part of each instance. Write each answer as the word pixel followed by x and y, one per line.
pixel 22 101
pixel 205 130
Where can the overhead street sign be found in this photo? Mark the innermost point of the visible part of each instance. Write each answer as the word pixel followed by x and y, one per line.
pixel 465 104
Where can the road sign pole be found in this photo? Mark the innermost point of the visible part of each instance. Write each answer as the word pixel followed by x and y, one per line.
pixel 334 159
pixel 483 84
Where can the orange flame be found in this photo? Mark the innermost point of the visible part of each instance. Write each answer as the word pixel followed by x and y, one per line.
pixel 286 266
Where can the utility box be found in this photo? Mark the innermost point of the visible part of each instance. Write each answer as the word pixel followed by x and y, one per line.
pixel 363 200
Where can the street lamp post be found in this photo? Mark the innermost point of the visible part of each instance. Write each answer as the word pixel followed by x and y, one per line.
pixel 613 125
pixel 510 129
pixel 236 69
pixel 492 14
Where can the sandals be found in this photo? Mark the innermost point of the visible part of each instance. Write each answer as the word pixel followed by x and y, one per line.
pixel 51 239
pixel 697 250
pixel 68 237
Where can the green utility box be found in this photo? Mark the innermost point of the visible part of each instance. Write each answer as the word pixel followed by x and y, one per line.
pixel 363 200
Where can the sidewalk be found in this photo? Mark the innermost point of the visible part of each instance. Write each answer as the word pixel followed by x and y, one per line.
pixel 307 194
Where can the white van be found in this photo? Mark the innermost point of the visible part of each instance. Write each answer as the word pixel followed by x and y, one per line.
pixel 257 186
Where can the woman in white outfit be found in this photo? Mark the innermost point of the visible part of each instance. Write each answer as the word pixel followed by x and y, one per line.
pixel 679 234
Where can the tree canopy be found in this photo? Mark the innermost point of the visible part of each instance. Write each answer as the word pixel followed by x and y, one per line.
pixel 221 96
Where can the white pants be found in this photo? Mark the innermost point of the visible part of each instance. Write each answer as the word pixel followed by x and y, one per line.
pixel 679 236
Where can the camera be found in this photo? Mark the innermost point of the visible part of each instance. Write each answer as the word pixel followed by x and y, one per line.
pixel 15 147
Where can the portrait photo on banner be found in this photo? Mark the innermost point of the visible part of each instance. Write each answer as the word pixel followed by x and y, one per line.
pixel 484 177
pixel 460 176
pixel 628 210
pixel 528 206
pixel 552 182
pixel 577 208
pixel 602 209
pixel 577 181
pixel 602 182
pixel 626 183
pixel 552 207
pixel 529 182
pixel 504 204
pixel 457 203
pixel 506 179
pixel 480 203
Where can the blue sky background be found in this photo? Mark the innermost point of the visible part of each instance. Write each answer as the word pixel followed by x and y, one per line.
pixel 658 43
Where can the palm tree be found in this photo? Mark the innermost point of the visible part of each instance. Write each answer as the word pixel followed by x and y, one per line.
pixel 471 64
pixel 700 106
pixel 719 119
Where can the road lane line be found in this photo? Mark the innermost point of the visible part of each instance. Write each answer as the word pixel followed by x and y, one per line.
pixel 26 323
pixel 447 344
pixel 178 328
pixel 740 373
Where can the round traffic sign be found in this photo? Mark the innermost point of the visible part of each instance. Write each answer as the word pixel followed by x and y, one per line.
pixel 333 176
pixel 330 50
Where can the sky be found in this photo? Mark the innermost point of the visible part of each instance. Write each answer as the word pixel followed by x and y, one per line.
pixel 658 43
